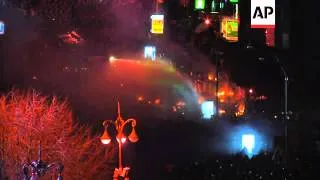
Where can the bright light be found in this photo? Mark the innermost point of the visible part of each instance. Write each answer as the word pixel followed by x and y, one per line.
pixel 157 24
pixel 157 101
pixel 105 141
pixel 105 138
pixel 250 91
pixel 222 93
pixel 248 143
pixel 140 98
pixel 200 4
pixel 221 111
pixel 210 77
pixel 112 58
pixel 208 109
pixel 207 21
pixel 150 52
pixel 2 28
pixel 229 28
pixel 250 140
pixel 123 140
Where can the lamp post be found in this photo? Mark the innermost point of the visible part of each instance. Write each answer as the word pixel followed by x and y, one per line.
pixel 218 54
pixel 39 168
pixel 119 124
pixel 286 113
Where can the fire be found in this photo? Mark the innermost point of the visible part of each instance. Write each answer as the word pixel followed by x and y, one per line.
pixel 241 110
pixel 231 98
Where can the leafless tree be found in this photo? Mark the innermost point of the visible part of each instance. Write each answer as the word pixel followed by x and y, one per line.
pixel 26 118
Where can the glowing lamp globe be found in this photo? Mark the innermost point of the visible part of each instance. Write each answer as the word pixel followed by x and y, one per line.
pixel 121 138
pixel 105 138
pixel 133 137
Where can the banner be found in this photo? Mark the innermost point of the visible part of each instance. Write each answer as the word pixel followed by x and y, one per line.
pixel 229 28
pixel 157 24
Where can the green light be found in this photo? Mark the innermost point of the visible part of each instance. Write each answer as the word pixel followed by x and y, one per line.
pixel 200 4
pixel 234 1
pixel 213 7
pixel 221 5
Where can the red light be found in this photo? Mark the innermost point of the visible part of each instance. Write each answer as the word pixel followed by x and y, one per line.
pixel 207 21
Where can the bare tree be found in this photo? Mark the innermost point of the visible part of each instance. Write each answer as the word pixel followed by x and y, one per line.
pixel 27 118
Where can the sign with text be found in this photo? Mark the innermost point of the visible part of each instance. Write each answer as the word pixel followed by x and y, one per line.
pixel 229 28
pixel 2 28
pixel 263 14
pixel 157 24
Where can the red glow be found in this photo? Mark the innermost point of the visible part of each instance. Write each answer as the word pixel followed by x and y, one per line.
pixel 207 21
pixel 140 98
pixel 270 38
pixel 157 101
pixel 123 140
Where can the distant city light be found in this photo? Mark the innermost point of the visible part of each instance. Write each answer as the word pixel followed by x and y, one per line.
pixel 248 139
pixel 248 143
pixel 208 109
pixel 150 52
pixel 2 28
pixel 207 21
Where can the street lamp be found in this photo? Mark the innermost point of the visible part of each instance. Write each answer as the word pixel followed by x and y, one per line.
pixel 119 124
pixel 219 62
pixel 39 168
pixel 286 113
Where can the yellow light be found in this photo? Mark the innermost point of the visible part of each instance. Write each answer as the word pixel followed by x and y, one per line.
pixel 157 24
pixel 222 93
pixel 210 77
pixel 241 110
pixel 221 111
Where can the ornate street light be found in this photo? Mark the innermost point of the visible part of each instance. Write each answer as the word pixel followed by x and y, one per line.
pixel 119 124
pixel 39 168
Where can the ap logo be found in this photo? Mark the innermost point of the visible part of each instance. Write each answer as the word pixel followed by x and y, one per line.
pixel 263 13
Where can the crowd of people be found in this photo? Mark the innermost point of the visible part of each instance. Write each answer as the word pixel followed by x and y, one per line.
pixel 240 167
